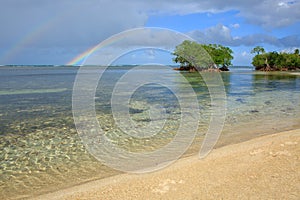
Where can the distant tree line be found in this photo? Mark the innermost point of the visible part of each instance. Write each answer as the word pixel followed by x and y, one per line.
pixel 193 56
pixel 274 61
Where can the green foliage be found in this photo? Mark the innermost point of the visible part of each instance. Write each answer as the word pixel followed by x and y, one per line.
pixel 259 61
pixel 189 54
pixel 274 61
pixel 221 55
pixel 192 55
pixel 257 50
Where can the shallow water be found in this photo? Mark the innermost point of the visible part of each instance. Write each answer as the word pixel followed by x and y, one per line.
pixel 41 150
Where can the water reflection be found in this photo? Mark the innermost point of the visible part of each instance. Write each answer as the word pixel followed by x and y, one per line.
pixel 275 81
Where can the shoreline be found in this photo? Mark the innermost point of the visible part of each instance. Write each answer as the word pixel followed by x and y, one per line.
pixel 264 167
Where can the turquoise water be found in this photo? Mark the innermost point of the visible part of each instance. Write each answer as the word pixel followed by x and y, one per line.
pixel 41 150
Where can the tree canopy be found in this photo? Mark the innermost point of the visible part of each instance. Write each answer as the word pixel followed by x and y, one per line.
pixel 258 50
pixel 194 56
pixel 274 61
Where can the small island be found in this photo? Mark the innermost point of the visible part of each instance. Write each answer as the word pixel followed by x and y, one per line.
pixel 193 56
pixel 274 61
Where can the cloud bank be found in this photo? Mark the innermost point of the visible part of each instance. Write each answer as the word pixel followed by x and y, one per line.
pixel 222 34
pixel 67 27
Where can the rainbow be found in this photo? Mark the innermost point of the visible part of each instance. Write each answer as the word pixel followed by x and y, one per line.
pixel 29 38
pixel 80 59
pixel 33 35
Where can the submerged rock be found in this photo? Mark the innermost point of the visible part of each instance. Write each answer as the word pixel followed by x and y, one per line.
pixel 268 102
pixel 240 100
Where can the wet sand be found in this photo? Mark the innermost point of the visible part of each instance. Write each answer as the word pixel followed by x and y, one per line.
pixel 266 167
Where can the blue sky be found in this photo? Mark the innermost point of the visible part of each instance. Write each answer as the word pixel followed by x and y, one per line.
pixel 56 32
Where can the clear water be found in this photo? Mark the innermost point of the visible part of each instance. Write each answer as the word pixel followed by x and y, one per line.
pixel 40 150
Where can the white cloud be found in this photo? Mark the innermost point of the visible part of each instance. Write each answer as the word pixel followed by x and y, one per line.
pixel 244 53
pixel 66 22
pixel 266 13
pixel 76 24
pixel 242 57
pixel 271 13
pixel 222 34
pixel 290 50
pixel 235 25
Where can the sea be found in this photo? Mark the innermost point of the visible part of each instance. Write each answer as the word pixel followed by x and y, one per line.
pixel 42 149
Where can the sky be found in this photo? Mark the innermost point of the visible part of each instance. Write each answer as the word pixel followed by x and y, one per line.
pixel 56 32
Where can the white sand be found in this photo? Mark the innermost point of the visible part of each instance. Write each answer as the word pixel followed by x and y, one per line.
pixel 262 168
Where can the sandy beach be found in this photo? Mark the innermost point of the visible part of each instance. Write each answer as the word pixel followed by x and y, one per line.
pixel 267 167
